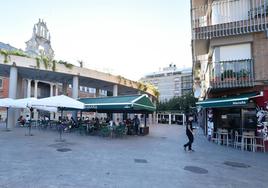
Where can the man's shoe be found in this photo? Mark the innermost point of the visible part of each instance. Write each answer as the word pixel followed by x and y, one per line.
pixel 191 150
pixel 184 148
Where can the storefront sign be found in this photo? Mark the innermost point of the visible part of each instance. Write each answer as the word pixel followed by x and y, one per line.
pixel 92 107
pixel 239 102
pixel 223 116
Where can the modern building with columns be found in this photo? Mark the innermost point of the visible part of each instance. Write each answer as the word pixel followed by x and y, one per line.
pixel 39 77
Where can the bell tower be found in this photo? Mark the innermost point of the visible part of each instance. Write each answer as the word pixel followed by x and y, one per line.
pixel 40 44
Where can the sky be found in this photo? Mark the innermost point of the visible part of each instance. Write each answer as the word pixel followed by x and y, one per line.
pixel 130 38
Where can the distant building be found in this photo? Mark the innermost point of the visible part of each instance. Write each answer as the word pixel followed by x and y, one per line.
pixel 171 81
pixel 40 44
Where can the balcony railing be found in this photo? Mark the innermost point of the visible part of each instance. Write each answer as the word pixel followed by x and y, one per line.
pixel 227 18
pixel 232 74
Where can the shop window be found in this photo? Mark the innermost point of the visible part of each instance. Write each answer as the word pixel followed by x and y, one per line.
pixel 1 83
pixel 249 119
pixel 228 118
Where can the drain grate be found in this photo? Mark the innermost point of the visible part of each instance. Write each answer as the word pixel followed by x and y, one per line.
pixel 64 149
pixel 140 161
pixel 61 145
pixel 196 169
pixel 6 130
pixel 236 164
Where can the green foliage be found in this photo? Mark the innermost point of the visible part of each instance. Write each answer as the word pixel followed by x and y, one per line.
pixel 183 104
pixel 142 86
pixel 46 62
pixel 119 78
pixel 120 130
pixel 17 53
pixel 37 62
pixel 54 62
pixel 67 65
pixel 243 73
pixel 105 131
pixel 5 54
pixel 153 89
pixel 228 74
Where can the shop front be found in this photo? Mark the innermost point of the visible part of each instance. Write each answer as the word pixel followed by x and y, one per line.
pixel 236 115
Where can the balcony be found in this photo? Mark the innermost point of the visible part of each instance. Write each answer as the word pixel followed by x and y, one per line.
pixel 231 74
pixel 227 18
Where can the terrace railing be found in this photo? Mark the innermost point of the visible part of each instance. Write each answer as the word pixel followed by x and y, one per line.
pixel 227 18
pixel 232 74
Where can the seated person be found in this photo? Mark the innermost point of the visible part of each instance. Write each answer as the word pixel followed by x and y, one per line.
pixel 21 121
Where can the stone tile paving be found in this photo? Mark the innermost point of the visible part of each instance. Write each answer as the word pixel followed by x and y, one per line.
pixel 156 160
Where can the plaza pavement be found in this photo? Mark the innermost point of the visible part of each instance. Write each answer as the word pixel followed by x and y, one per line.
pixel 156 160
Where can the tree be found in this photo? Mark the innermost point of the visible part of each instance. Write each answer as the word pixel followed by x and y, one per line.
pixel 183 104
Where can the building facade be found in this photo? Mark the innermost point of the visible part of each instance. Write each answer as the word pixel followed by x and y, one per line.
pixel 229 48
pixel 34 73
pixel 170 82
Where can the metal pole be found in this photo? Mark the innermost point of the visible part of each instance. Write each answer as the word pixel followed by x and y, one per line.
pixel 6 119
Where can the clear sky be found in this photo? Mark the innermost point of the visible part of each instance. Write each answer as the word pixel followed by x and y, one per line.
pixel 126 37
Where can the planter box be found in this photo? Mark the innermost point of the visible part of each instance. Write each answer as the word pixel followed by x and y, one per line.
pixel 144 131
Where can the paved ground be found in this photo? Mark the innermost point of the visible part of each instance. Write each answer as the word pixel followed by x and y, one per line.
pixel 156 160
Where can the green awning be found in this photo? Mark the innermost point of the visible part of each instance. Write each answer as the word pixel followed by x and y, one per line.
pixel 236 101
pixel 130 104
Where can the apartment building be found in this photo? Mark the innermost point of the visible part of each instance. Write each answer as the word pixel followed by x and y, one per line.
pixel 229 48
pixel 170 81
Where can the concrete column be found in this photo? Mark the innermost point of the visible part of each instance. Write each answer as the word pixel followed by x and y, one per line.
pixel 35 88
pixel 12 93
pixel 115 93
pixel 169 119
pixel 97 92
pixel 75 87
pixel 56 90
pixel 29 81
pixel 35 113
pixel 51 90
pixel 75 90
pixel 115 90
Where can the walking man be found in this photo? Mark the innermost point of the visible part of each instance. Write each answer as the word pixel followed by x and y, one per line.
pixel 190 134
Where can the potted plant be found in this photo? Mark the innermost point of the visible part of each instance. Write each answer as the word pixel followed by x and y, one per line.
pixel 228 75
pixel 243 74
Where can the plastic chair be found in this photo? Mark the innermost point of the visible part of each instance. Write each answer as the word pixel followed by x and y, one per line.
pixel 238 140
pixel 259 142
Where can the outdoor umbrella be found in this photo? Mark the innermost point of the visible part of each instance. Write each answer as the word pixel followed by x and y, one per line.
pixel 9 103
pixel 27 103
pixel 61 102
